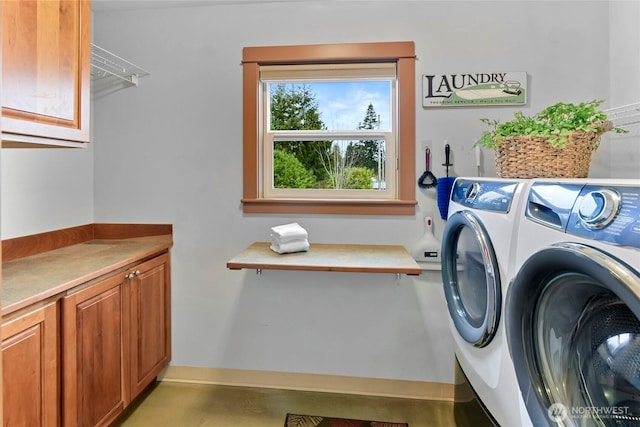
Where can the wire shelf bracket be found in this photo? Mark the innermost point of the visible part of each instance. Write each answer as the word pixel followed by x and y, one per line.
pixel 108 66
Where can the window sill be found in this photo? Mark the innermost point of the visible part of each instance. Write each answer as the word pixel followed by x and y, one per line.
pixel 329 257
pixel 338 207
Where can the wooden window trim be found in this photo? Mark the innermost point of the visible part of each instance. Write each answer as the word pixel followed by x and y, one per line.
pixel 403 53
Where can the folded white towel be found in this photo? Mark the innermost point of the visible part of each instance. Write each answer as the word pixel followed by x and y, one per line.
pixel 292 246
pixel 288 232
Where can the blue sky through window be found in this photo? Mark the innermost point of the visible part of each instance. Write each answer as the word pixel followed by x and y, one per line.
pixel 344 104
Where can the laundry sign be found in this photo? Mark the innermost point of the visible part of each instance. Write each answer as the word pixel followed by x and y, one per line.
pixel 474 89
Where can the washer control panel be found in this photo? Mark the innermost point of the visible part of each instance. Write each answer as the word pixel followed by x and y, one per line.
pixel 608 213
pixel 495 196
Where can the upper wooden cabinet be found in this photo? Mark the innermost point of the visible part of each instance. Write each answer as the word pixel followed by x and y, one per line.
pixel 46 75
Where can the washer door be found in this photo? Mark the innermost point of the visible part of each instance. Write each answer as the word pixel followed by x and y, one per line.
pixel 573 327
pixel 471 278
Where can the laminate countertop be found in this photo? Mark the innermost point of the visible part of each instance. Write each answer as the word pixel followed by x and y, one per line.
pixel 37 277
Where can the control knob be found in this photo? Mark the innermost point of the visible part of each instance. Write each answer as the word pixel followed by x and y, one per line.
pixel 472 192
pixel 599 208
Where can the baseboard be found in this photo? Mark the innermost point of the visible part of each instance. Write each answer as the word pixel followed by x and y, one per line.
pixel 310 382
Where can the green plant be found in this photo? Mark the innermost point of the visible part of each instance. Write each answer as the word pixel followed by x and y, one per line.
pixel 554 123
pixel 354 178
pixel 288 172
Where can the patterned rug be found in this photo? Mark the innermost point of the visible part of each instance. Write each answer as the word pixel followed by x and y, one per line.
pixel 295 420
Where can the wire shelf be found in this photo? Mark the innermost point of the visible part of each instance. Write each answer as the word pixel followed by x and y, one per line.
pixel 108 66
pixel 624 116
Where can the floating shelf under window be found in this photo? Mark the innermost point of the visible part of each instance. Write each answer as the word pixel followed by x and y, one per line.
pixel 329 257
pixel 108 68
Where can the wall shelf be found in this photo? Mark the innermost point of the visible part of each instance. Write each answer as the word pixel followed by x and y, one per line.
pixel 329 257
pixel 624 116
pixel 108 68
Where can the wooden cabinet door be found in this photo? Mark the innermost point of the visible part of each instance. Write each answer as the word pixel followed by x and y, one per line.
pixel 46 60
pixel 150 321
pixel 95 333
pixel 30 369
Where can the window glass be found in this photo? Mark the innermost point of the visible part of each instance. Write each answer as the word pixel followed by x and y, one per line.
pixel 333 164
pixel 339 105
pixel 329 129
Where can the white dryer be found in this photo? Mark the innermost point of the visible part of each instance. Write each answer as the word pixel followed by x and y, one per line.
pixel 573 308
pixel 478 247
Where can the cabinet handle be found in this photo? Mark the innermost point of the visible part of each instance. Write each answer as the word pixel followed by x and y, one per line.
pixel 132 275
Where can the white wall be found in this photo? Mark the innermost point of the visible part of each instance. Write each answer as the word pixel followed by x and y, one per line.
pixel 179 135
pixel 170 151
pixel 624 69
pixel 45 189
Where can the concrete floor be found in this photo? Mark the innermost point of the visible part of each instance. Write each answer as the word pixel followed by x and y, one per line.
pixel 200 405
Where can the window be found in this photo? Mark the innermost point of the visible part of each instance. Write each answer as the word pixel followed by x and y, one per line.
pixel 300 158
pixel 323 137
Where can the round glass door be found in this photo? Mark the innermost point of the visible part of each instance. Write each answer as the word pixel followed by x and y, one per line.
pixel 471 278
pixel 579 337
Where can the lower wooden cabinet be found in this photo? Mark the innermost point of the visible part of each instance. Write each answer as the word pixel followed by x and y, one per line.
pixel 80 361
pixel 95 332
pixel 30 369
pixel 116 339
pixel 150 322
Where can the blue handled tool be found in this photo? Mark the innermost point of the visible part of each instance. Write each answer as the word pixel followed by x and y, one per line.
pixel 445 184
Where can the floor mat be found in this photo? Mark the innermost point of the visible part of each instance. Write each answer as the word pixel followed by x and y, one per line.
pixel 295 420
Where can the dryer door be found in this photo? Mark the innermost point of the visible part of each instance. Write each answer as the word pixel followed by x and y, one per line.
pixel 573 327
pixel 471 278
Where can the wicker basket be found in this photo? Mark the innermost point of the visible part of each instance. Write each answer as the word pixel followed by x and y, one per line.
pixel 527 156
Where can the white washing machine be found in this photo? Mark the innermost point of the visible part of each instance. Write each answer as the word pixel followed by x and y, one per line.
pixel 478 247
pixel 573 308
